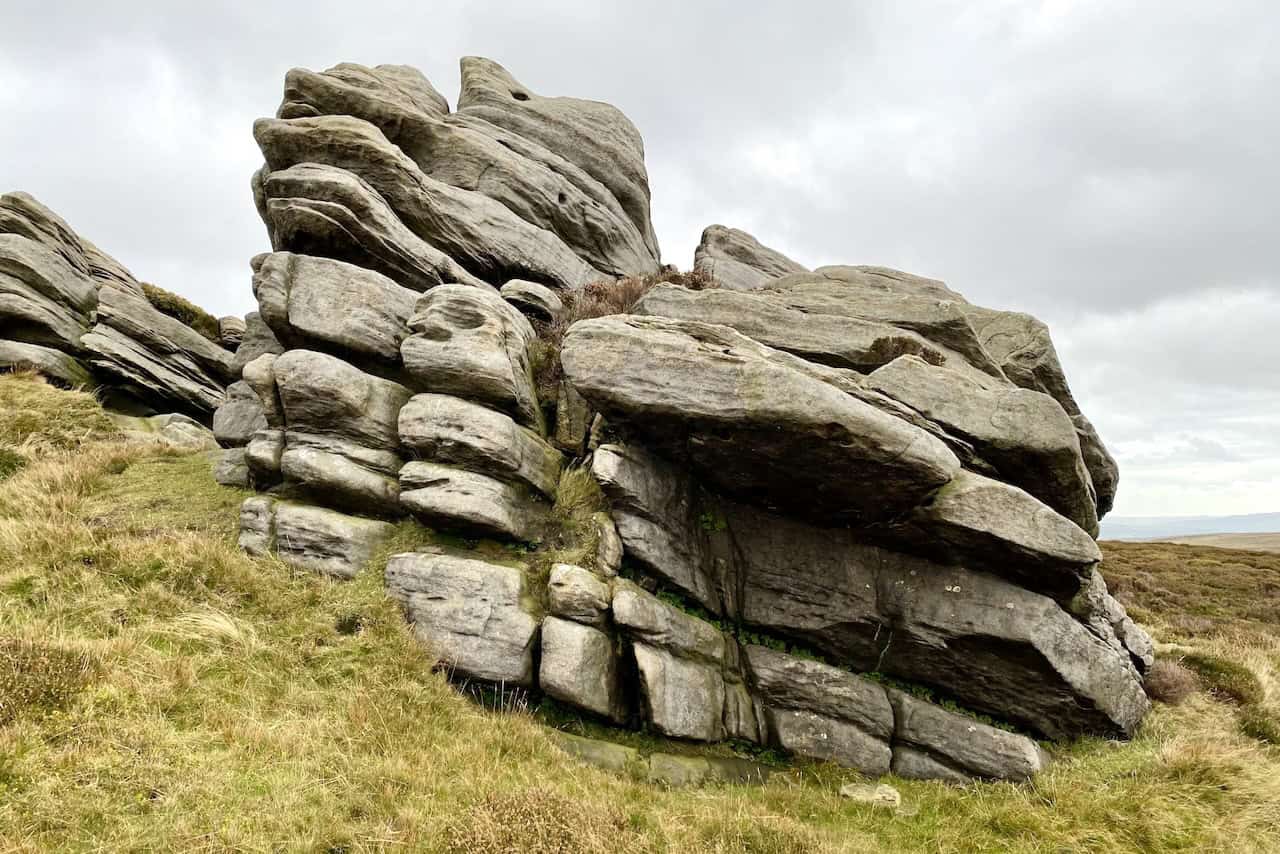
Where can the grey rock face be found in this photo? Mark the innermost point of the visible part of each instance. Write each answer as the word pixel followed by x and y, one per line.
pixel 575 594
pixel 822 712
pixel 994 645
pixel 43 300
pixel 1025 435
pixel 738 261
pixel 49 362
pixel 841 342
pixel 472 344
pixel 690 676
pixel 754 421
pixel 262 457
pixel 157 358
pixel 258 340
pixel 323 210
pixel 471 614
pixel 239 417
pixel 890 280
pixel 231 332
pixel 451 431
pixel 460 500
pixel 479 233
pixel 258 526
pixel 977 521
pixel 341 444
pixel 655 510
pixel 535 301
pixel 595 137
pixel 324 396
pixel 579 666
pixel 230 469
pixel 326 541
pixel 340 308
pixel 926 737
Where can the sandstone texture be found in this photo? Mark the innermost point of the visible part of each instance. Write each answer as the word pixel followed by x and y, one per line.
pixel 842 512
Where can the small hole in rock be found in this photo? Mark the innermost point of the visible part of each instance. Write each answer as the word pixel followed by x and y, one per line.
pixel 562 198
pixel 520 96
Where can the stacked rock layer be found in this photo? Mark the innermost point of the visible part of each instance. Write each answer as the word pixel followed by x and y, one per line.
pixel 78 316
pixel 832 496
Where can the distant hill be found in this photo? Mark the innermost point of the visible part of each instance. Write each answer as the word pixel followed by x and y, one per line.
pixel 1248 542
pixel 1162 527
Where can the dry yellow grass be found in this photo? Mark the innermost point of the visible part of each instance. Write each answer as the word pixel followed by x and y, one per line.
pixel 235 705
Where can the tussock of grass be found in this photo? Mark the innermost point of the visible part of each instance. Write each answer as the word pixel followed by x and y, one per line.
pixel 1169 682
pixel 239 705
pixel 10 461
pixel 179 308
pixel 1225 678
pixel 36 676
pixel 39 417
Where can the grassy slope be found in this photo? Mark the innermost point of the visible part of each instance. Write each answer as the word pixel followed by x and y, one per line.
pixel 162 691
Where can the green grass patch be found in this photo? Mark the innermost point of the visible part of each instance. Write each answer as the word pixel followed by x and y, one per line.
pixel 179 308
pixel 11 462
pixel 1228 679
pixel 1259 723
pixel 39 677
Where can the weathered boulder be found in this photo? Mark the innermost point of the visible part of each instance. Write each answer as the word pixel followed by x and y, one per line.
pixel 576 594
pixel 931 743
pixel 340 439
pixel 239 417
pixel 738 261
pixel 595 137
pixel 258 340
pixel 158 359
pixel 535 301
pixel 977 521
pixel 816 710
pixel 43 299
pixel 310 538
pixel 348 311
pixel 445 429
pixel 841 342
pixel 474 345
pixel 326 211
pixel 471 614
pixel 231 332
pixel 54 364
pixel 753 421
pixel 689 674
pixel 478 232
pixel 579 666
pixel 230 468
pixel 465 501
pixel 262 457
pixel 1025 435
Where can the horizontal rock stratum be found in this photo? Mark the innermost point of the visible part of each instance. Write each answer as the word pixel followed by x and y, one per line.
pixel 841 511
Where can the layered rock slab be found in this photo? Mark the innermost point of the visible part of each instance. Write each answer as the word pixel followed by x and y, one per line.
pixel 739 262
pixel 474 615
pixel 311 538
pixel 754 421
pixel 994 645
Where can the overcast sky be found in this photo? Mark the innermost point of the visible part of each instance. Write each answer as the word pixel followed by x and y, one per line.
pixel 1109 166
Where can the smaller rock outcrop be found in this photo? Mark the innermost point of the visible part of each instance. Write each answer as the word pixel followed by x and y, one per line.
pixel 738 261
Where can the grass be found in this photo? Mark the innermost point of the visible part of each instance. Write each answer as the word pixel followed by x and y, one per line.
pixel 180 308
pixel 201 700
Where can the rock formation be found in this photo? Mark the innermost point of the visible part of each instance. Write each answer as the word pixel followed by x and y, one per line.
pixel 830 497
pixel 78 316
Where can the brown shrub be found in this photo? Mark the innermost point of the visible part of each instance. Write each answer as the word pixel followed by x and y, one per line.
pixel 1169 682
